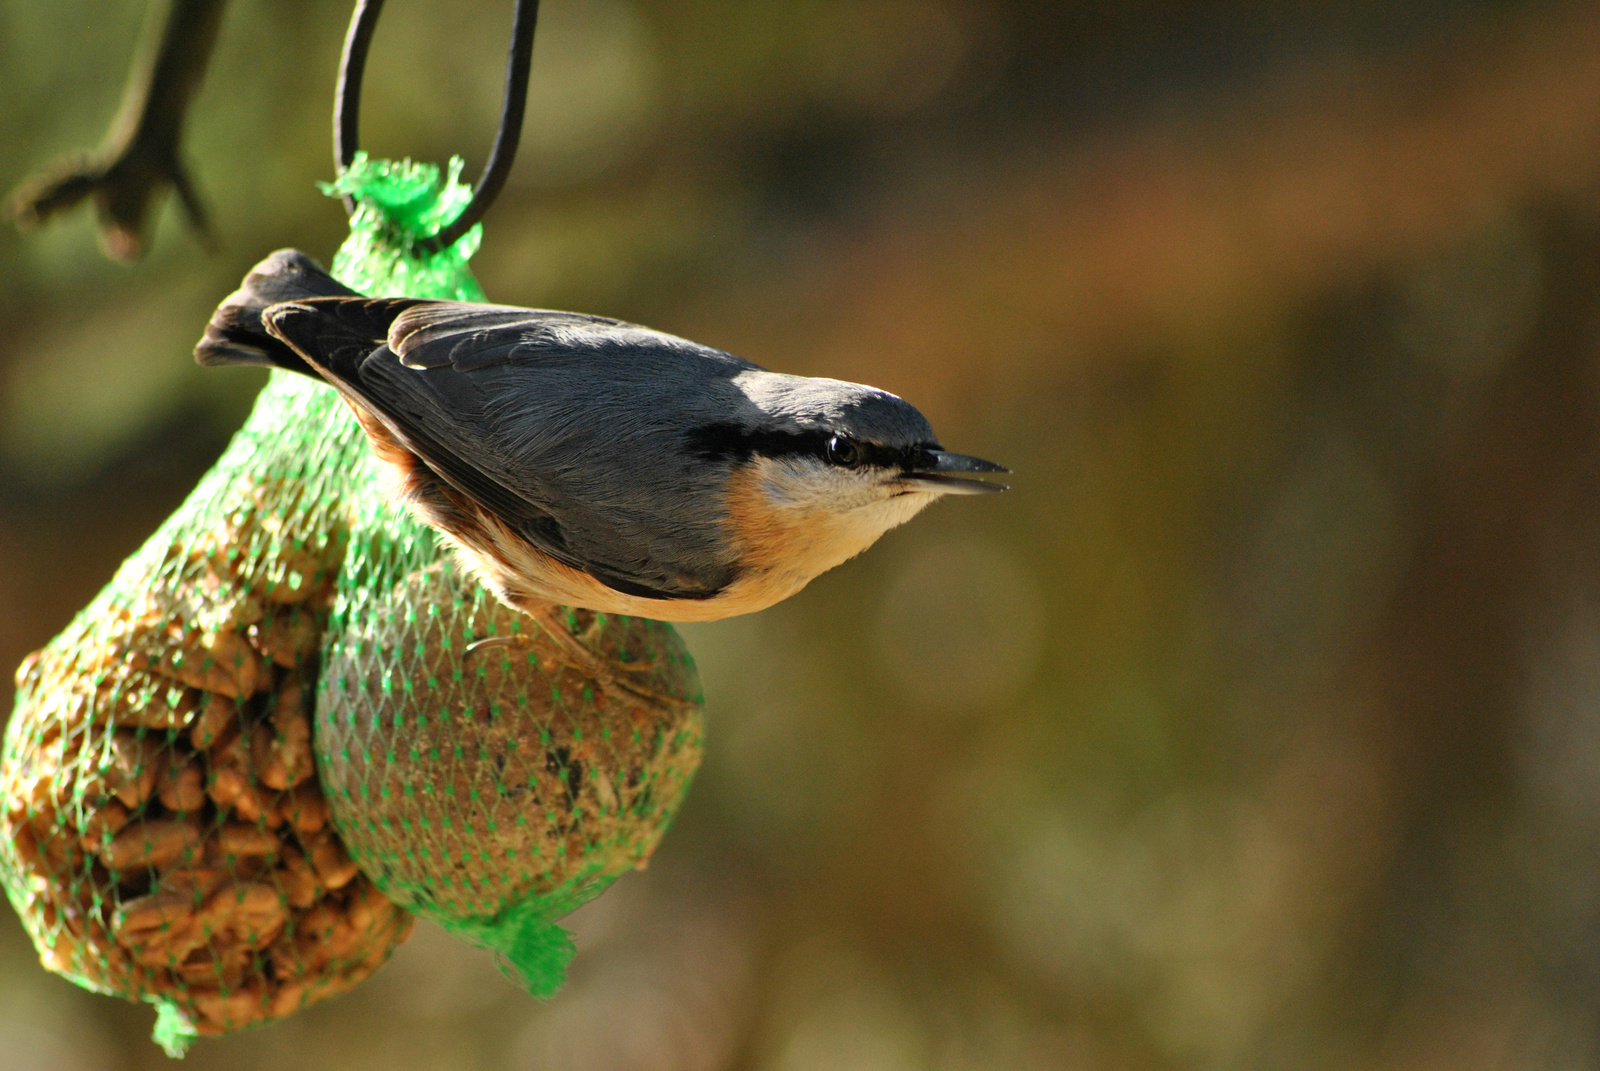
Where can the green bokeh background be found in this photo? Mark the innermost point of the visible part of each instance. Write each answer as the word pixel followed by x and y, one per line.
pixel 1258 727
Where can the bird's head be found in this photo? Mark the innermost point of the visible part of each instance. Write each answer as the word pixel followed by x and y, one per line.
pixel 821 468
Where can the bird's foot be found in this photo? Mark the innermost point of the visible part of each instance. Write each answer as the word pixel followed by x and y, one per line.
pixel 590 638
pixel 585 659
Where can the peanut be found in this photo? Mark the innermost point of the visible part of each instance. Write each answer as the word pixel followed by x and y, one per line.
pixel 230 783
pixel 34 792
pixel 197 881
pixel 102 825
pixel 304 808
pixel 229 1011
pixel 296 576
pixel 332 865
pixel 299 879
pixel 281 753
pixel 224 968
pixel 220 662
pixel 29 672
pixel 288 636
pixel 216 716
pixel 252 805
pixel 240 839
pixel 145 701
pixel 226 786
pixel 140 922
pixel 290 997
pixel 326 937
pixel 315 930
pixel 182 788
pixel 252 914
pixel 154 843
pixel 27 846
pixel 132 767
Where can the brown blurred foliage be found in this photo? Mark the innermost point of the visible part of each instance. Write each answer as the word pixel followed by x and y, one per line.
pixel 1258 726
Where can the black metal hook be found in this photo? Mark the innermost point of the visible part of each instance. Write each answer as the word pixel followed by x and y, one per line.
pixel 347 113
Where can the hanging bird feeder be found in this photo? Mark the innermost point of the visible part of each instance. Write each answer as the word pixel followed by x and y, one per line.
pixel 290 721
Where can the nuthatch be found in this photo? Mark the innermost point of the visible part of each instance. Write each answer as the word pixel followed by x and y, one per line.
pixel 587 462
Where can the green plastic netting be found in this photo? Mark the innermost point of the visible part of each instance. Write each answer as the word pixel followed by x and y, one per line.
pixel 276 731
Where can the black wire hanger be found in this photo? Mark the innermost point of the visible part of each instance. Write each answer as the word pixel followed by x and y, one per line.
pixel 347 113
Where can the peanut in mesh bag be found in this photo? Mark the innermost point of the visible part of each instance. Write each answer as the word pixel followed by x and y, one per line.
pixel 163 834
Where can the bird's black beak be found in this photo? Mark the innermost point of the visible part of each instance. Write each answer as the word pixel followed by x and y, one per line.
pixel 935 470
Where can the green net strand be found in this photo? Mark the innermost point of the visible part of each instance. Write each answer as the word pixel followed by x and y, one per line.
pixel 276 732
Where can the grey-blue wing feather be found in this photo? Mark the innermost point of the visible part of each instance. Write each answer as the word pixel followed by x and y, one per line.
pixel 572 428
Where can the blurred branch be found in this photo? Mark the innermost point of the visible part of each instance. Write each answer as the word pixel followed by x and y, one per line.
pixel 141 152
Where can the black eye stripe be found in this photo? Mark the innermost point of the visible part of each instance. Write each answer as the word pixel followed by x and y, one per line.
pixel 730 442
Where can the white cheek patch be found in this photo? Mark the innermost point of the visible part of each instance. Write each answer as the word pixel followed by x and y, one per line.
pixel 859 499
pixel 898 510
pixel 792 483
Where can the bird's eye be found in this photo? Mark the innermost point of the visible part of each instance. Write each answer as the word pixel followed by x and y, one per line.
pixel 844 452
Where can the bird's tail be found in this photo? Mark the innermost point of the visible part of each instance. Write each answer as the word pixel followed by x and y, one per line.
pixel 236 334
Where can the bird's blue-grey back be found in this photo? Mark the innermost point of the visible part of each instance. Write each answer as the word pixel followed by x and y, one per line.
pixel 588 419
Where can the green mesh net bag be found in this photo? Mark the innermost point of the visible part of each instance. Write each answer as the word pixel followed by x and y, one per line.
pixel 486 785
pixel 290 720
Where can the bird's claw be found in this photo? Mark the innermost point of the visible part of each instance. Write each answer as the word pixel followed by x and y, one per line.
pixel 583 658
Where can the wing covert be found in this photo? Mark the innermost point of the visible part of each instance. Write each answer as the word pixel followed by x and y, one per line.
pixel 443 415
pixel 469 337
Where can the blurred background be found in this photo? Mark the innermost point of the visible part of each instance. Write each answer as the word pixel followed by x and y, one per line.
pixel 1257 727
